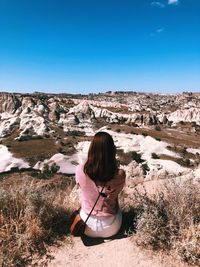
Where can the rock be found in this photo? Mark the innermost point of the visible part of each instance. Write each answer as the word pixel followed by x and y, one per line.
pixel 9 103
pixel 134 174
pixel 186 115
pixel 7 126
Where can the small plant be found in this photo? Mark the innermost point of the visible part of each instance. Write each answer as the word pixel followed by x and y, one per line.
pixel 32 216
pixel 137 157
pixel 154 155
pixel 49 171
pixel 145 168
pixel 169 219
pixel 184 151
pixel 144 134
pixel 75 133
pixel 187 162
pixel 157 128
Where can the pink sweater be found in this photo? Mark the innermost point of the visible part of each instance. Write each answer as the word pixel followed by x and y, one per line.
pixel 105 206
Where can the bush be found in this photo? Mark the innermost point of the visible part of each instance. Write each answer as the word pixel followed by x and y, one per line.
pixel 154 156
pixel 30 218
pixel 187 162
pixel 49 171
pixel 75 133
pixel 132 132
pixel 137 157
pixel 157 128
pixel 170 220
pixel 144 134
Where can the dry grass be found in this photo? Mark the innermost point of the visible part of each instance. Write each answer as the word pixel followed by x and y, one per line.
pixel 173 136
pixel 31 150
pixel 170 220
pixel 40 149
pixel 32 215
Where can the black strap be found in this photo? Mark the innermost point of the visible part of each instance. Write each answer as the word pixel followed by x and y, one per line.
pixel 94 205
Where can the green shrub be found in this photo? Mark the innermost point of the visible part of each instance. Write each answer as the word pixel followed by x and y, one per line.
pixel 49 171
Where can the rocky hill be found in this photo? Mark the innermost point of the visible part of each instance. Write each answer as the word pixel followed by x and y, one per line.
pixel 42 128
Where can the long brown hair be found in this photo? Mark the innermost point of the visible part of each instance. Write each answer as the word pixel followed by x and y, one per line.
pixel 101 163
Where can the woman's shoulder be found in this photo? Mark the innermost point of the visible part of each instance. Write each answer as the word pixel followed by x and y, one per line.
pixel 121 173
pixel 120 176
pixel 80 167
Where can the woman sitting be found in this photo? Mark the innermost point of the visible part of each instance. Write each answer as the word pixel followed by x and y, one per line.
pixel 100 173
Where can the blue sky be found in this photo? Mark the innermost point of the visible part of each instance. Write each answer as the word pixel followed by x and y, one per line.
pixel 83 46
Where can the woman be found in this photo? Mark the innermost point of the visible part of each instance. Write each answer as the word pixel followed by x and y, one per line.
pixel 100 170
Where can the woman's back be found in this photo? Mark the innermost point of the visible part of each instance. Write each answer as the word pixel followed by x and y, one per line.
pixel 100 170
pixel 108 203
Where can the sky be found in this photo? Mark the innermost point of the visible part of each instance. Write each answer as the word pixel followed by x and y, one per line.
pixel 91 46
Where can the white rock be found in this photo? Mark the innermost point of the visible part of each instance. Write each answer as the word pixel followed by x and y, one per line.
pixel 8 161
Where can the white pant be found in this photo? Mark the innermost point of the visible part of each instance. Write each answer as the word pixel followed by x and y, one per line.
pixel 101 226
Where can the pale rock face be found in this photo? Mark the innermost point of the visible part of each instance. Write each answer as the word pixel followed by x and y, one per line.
pixel 82 107
pixel 28 102
pixel 67 164
pixel 156 174
pixel 187 115
pixel 52 107
pixel 82 148
pixel 102 104
pixel 74 123
pixel 40 109
pixel 197 174
pixel 25 111
pixel 9 103
pixel 8 161
pixel 31 125
pixel 7 126
pixel 70 120
pixel 31 116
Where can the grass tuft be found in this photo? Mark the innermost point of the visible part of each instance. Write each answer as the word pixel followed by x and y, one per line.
pixel 31 217
pixel 170 220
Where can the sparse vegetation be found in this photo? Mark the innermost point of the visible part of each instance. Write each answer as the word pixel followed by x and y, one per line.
pixel 144 134
pixel 157 128
pixel 170 220
pixel 49 171
pixel 75 133
pixel 132 132
pixel 31 217
pixel 136 157
pixel 154 155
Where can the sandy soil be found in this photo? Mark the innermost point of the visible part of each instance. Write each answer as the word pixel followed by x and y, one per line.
pixel 118 252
